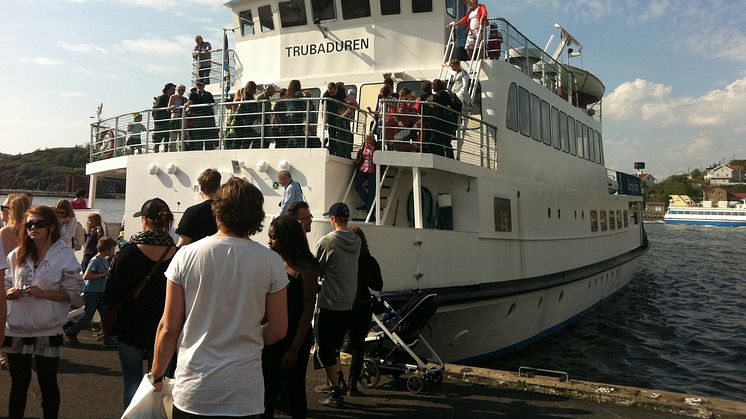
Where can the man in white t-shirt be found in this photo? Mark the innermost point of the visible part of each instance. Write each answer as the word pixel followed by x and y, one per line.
pixel 219 289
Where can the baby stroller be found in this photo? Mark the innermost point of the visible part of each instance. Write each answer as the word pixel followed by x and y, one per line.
pixel 391 344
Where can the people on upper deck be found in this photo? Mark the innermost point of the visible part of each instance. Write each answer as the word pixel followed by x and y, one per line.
pixel 176 105
pixel 474 19
pixel 134 133
pixel 425 96
pixel 332 118
pixel 203 58
pixel 161 117
pixel 293 118
pixel 443 121
pixel 204 119
pixel 345 136
pixel 248 118
pixel 311 121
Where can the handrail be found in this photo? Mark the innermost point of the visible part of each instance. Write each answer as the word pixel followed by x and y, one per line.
pixel 295 123
pixel 215 66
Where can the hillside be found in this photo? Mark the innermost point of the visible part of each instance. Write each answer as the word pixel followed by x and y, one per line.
pixel 45 170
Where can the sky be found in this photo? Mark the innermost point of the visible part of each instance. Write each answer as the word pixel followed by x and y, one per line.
pixel 674 70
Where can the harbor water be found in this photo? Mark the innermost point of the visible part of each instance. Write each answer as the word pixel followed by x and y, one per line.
pixel 680 325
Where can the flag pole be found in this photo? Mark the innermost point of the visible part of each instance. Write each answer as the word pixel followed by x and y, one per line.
pixel 223 86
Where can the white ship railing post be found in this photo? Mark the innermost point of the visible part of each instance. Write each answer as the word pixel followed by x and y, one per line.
pixel 378 195
pixel 182 135
pixel 417 192
pixel 116 136
pixel 92 191
pixel 147 131
pixel 322 121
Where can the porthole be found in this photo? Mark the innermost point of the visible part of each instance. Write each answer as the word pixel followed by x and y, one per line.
pixel 541 302
pixel 518 194
pixel 549 213
pixel 582 215
pixel 561 296
pixel 511 310
pixel 576 214
pixel 559 215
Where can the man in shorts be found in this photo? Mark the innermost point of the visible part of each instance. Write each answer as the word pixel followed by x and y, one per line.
pixel 337 254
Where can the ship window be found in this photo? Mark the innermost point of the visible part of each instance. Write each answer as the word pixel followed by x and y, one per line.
pixel 545 136
pixel 355 9
pixel 600 149
pixel 579 138
pixel 594 220
pixel 502 214
pixel 555 128
pixel 422 6
pixel 619 218
pixel 536 117
pixel 524 110
pixel 571 135
pixel 563 131
pixel 633 207
pixel 511 116
pixel 390 7
pixel 612 220
pixel 591 146
pixel 292 13
pixel 625 218
pixel 586 143
pixel 604 226
pixel 247 23
pixel 451 8
pixel 265 18
pixel 323 10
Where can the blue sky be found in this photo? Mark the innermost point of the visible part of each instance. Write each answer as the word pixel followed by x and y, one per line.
pixel 674 70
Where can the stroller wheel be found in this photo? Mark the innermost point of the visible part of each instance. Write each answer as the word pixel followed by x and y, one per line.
pixel 415 384
pixel 435 377
pixel 370 374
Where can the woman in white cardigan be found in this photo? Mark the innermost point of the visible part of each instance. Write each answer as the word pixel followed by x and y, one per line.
pixel 41 283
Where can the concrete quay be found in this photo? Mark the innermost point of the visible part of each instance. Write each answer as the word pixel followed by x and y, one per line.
pixel 91 387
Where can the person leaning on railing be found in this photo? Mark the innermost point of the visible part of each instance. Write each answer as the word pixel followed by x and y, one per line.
pixel 176 105
pixel 162 117
pixel 474 19
pixel 248 118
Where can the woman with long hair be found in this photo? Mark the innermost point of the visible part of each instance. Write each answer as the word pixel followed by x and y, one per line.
pixel 18 204
pixel 94 230
pixel 43 280
pixel 70 229
pixel 219 290
pixel 140 265
pixel 368 278
pixel 287 359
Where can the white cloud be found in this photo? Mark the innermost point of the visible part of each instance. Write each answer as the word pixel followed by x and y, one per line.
pixel 175 45
pixel 49 62
pixel 81 47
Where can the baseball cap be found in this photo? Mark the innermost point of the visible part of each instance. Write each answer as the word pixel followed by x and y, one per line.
pixel 339 209
pixel 168 86
pixel 151 208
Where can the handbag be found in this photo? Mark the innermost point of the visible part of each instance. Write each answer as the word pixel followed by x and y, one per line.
pixel 110 320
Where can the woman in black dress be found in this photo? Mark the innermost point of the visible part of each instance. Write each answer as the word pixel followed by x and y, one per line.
pixel 287 359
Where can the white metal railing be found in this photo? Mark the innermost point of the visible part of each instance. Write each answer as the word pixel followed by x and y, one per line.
pixel 297 123
pixel 211 70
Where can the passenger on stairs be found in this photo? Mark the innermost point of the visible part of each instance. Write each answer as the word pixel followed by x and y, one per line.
pixel 366 172
pixel 459 83
pixel 475 18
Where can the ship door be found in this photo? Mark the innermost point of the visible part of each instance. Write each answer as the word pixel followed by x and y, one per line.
pixel 369 97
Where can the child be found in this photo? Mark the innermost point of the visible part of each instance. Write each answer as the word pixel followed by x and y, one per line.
pixel 93 292
pixel 134 140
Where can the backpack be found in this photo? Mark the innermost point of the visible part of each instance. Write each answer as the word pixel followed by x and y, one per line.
pixel 456 104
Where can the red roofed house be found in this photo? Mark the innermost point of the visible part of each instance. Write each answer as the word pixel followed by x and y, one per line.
pixel 647 180
pixel 724 174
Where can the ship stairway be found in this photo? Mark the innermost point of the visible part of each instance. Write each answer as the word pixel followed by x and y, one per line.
pixel 389 185
pixel 473 65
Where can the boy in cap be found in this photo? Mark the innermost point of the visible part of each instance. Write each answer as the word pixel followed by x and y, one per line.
pixel 337 254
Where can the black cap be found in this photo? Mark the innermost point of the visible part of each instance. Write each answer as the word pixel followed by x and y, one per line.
pixel 151 208
pixel 339 209
pixel 168 86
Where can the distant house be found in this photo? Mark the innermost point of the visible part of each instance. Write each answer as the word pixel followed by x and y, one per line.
pixel 655 206
pixel 719 197
pixel 724 174
pixel 647 180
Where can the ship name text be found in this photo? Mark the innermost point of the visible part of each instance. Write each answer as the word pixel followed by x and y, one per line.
pixel 327 47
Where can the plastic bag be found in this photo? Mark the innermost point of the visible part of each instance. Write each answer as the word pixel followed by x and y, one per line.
pixel 148 404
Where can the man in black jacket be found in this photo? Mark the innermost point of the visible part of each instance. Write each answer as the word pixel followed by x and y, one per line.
pixel 161 117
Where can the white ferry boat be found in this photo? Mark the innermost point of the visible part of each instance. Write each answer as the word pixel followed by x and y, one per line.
pixel 518 233
pixel 724 210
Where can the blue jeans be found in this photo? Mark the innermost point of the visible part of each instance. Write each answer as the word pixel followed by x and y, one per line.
pixel 367 196
pixel 131 359
pixel 93 301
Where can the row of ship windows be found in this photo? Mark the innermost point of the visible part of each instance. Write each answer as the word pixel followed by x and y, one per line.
pixel 293 12
pixel 605 280
pixel 536 119
pixel 611 220
pixel 739 214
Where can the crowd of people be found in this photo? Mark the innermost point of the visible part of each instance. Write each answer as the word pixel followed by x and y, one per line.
pixel 229 319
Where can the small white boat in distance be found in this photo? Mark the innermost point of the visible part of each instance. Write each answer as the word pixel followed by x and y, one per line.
pixel 718 208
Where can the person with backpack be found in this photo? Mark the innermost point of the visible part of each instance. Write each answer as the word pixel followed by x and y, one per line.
pixel 443 122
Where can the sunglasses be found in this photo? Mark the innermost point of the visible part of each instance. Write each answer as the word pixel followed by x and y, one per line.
pixel 5 208
pixel 36 223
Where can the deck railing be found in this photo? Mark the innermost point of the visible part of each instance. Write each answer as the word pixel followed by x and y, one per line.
pixel 215 66
pixel 297 123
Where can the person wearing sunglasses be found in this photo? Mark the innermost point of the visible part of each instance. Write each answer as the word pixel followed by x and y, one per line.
pixel 70 229
pixel 44 278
